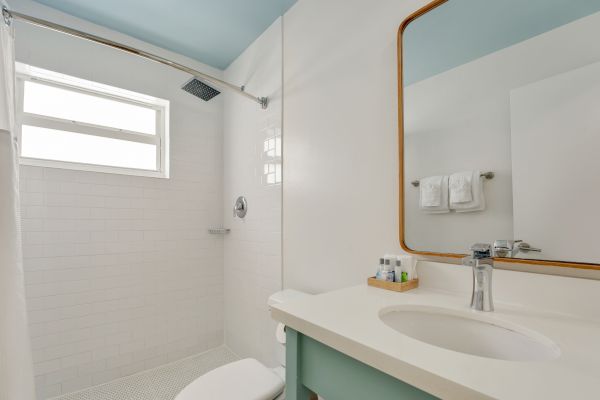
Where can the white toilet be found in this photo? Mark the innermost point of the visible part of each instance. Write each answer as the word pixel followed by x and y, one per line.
pixel 246 379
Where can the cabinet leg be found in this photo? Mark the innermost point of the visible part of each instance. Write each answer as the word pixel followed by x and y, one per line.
pixel 294 389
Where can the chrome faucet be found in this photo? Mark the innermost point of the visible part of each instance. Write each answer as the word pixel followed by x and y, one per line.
pixel 483 265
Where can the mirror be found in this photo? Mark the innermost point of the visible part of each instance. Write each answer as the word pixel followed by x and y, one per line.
pixel 500 129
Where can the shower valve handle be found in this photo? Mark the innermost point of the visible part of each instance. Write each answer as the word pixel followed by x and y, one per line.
pixel 240 208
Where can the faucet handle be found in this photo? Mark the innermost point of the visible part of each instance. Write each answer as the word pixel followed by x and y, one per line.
pixel 526 247
pixel 505 248
pixel 481 250
pixel 505 244
pixel 510 248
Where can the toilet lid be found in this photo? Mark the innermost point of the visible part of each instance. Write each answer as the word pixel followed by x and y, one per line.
pixel 246 379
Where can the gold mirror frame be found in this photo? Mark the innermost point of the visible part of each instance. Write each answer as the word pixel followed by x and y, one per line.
pixel 402 234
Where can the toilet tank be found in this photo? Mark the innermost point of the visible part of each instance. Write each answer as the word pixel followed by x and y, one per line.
pixel 285 295
pixel 278 298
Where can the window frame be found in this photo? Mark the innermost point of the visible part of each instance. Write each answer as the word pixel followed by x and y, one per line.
pixel 160 139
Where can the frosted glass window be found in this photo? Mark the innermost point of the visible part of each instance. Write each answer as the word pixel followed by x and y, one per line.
pixel 73 105
pixel 50 144
pixel 68 122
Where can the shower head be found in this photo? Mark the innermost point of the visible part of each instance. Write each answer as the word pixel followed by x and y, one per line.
pixel 200 89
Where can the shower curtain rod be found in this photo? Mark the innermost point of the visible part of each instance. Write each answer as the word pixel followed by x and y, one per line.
pixel 8 15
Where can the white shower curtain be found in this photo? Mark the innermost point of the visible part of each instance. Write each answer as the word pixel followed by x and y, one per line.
pixel 16 370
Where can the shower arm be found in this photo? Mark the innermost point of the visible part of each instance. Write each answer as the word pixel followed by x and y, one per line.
pixel 9 15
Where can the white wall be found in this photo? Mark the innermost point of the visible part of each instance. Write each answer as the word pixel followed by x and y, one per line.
pixel 461 120
pixel 340 195
pixel 253 248
pixel 554 201
pixel 121 274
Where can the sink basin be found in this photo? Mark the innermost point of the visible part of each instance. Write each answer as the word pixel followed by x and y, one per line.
pixel 469 333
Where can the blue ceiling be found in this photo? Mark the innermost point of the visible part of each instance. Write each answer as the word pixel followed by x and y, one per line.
pixel 461 31
pixel 214 32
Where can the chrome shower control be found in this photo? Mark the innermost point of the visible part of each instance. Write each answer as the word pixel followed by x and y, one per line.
pixel 240 207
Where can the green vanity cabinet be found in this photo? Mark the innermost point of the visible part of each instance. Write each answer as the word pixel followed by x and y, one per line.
pixel 313 367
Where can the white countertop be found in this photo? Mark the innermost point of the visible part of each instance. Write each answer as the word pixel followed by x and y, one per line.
pixel 348 321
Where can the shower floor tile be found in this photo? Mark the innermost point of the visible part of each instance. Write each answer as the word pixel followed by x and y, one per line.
pixel 161 383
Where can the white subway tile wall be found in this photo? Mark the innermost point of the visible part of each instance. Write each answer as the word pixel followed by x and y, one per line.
pixel 253 248
pixel 121 273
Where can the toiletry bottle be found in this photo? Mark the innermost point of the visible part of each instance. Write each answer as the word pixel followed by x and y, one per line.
pixel 400 273
pixel 387 274
pixel 408 266
pixel 405 274
pixel 379 269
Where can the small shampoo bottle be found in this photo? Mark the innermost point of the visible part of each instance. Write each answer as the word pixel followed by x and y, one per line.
pixel 401 274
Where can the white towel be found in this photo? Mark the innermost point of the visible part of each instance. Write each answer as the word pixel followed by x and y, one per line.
pixel 478 202
pixel 429 191
pixel 461 187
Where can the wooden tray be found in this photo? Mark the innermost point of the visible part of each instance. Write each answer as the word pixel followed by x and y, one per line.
pixel 395 286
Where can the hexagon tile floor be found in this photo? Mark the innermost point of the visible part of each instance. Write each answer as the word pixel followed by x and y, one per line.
pixel 161 383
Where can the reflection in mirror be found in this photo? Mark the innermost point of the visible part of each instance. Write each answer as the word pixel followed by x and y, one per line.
pixel 513 88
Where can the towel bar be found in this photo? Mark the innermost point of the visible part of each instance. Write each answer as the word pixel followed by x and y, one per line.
pixel 486 175
pixel 219 231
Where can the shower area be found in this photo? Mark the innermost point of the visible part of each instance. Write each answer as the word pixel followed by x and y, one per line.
pixel 139 280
